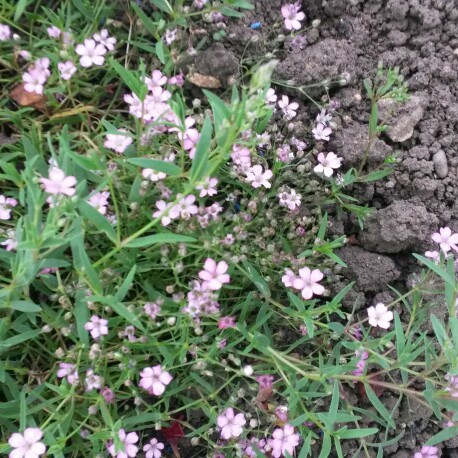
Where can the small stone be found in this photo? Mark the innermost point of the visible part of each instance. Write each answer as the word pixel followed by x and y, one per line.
pixel 440 164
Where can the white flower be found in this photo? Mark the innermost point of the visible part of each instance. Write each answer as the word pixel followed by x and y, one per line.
pixel 153 175
pixel 118 142
pixel 27 445
pixel 380 316
pixel 257 177
pixel 34 80
pixel 327 164
pixel 91 53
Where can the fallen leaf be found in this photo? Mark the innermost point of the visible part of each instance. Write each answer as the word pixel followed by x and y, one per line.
pixel 27 99
pixel 173 434
pixel 207 81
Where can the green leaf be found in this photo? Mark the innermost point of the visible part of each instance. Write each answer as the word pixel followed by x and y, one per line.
pixel 257 279
pixel 97 219
pixel 159 166
pixel 323 226
pixel 437 269
pixel 149 418
pixel 334 404
pixel 20 338
pixel 202 154
pixel 146 21
pixel 23 409
pixel 326 447
pixel 163 5
pixel 162 238
pixel 356 433
pixel 126 284
pixel 25 306
pixel 20 8
pixel 443 435
pixel 128 78
pixel 381 409
pixel 160 51
pixel 400 338
pixel 220 111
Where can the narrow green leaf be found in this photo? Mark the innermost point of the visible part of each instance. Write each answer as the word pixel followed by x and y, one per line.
pixel 160 166
pixel 159 49
pixel 443 435
pixel 126 284
pixel 437 269
pixel 128 78
pixel 146 21
pixel 20 8
pixel 257 279
pixel 25 306
pixel 219 109
pixel 23 409
pixel 381 409
pixel 334 404
pixel 161 239
pixel 163 5
pixel 400 338
pixel 326 447
pixel 202 154
pixel 20 338
pixel 323 226
pixel 356 433
pixel 97 219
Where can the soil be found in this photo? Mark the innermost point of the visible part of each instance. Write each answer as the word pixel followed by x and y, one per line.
pixel 421 38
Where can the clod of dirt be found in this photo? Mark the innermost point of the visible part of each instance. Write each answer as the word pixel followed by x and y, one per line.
pixel 400 226
pixel 402 118
pixel 326 59
pixel 351 143
pixel 27 99
pixel 371 271
pixel 214 67
pixel 440 164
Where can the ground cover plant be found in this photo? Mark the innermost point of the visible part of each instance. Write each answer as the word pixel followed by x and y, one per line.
pixel 168 279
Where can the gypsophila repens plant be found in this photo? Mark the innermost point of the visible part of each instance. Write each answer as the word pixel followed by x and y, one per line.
pixel 167 278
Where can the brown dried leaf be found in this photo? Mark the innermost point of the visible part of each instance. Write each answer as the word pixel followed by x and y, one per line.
pixel 207 81
pixel 27 99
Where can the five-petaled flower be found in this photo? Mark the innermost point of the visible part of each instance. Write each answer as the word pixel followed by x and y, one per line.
pixel 153 449
pixel 427 451
pixel 58 183
pixel 128 441
pixel 284 440
pixel 27 445
pixel 97 327
pixel 91 53
pixel 327 164
pixel 292 16
pixel 380 316
pixel 288 109
pixel 307 282
pixel 154 379
pixel 231 424
pixel 321 132
pixel 214 274
pixel 118 142
pixel 258 177
pixel 446 239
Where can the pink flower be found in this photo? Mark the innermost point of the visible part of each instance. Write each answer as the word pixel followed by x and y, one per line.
pixel 434 255
pixel 42 65
pixel 452 387
pixel 327 164
pixel 226 322
pixel 361 364
pixel 104 39
pixel 5 32
pixel 5 207
pixel 54 32
pixel 99 201
pixel 321 132
pixel 91 53
pixel 107 394
pixel 68 371
pixel 170 36
pixel 323 117
pixel 288 278
pixel 208 188
pixel 214 274
pixel 290 199
pixel 231 425
pixel 128 441
pixel 177 80
pixel 153 449
pixel 154 380
pixel 446 239
pixel 186 207
pixel 308 282
pixel 27 445
pixel 289 109
pixel 380 316
pixel 283 441
pixel 118 142
pixel 166 211
pixel 271 96
pixel 34 80
pixel 92 381
pixel 427 451
pixel 241 156
pixel 153 175
pixel 58 183
pixel 25 54
pixel 258 177
pixel 152 309
pixel 10 243
pixel 292 16
pixel 157 79
pixel 97 327
pixel 66 69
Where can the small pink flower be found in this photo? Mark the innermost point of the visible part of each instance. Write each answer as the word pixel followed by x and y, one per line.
pixel 288 278
pixel 226 322
pixel 157 79
pixel 446 239
pixel 58 183
pixel 42 65
pixel 34 80
pixel 108 395
pixel 321 132
pixel 153 449
pixel 380 316
pixel 427 451
pixel 66 69
pixel 289 109
pixel 99 201
pixel 283 441
pixel 152 309
pixel 91 53
pixel 27 445
pixel 25 54
pixel 11 242
pixel 176 80
pixel 128 441
pixel 54 32
pixel 308 282
pixel 186 206
pixel 170 36
pixel 292 16
pixel 166 211
pixel 361 364
pixel 104 39
pixel 231 424
pixel 241 156
pixel 258 177
pixel 208 188
pixel 154 380
pixel 97 327
pixel 118 142
pixel 327 164
pixel 68 371
pixel 6 203
pixel 433 255
pixel 271 96
pixel 153 175
pixel 214 274
pixel 92 381
pixel 5 32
